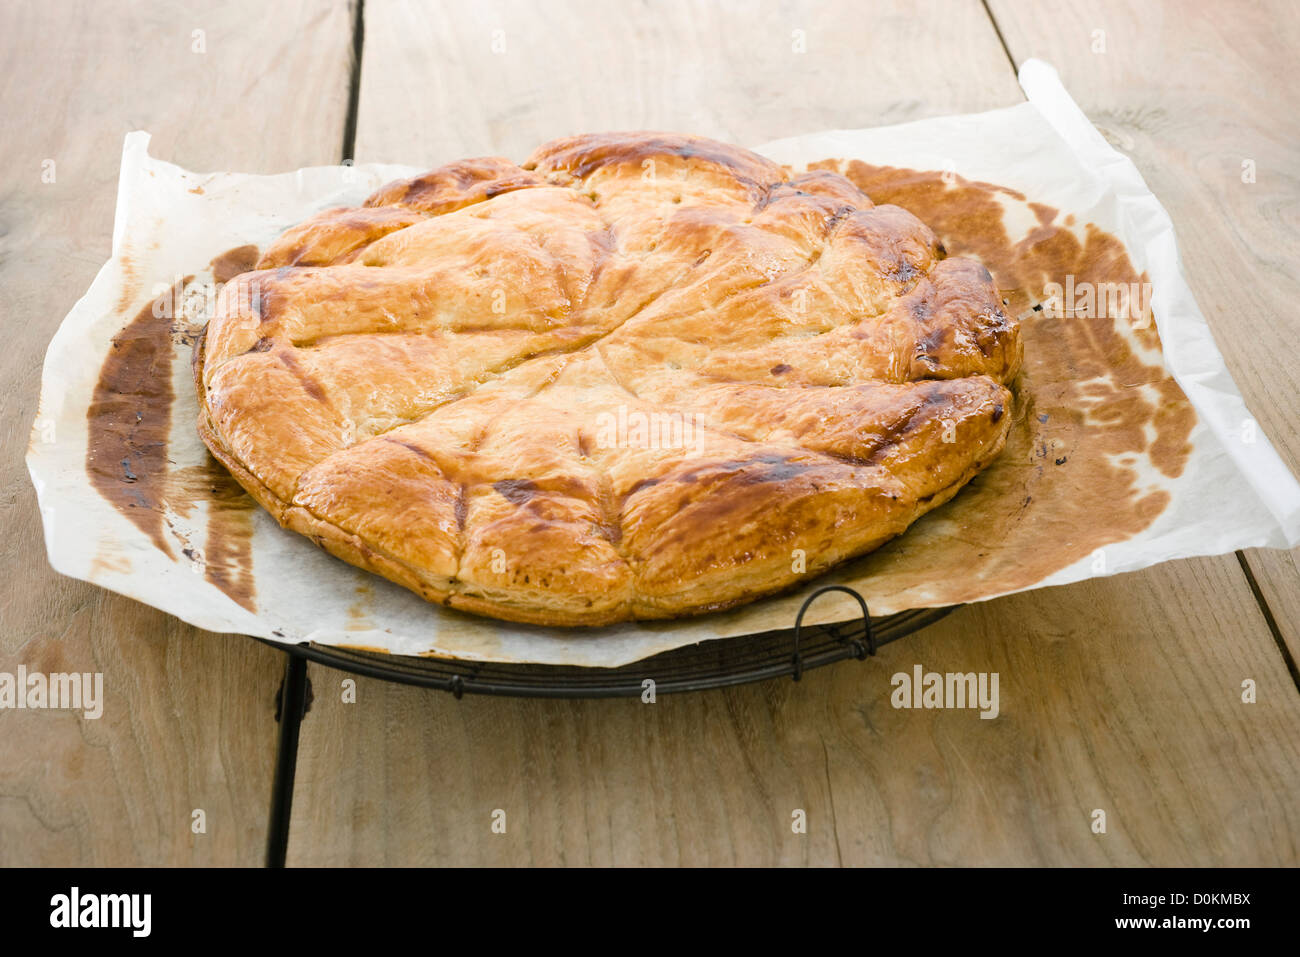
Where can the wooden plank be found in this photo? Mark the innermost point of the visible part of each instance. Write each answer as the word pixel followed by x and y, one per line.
pixel 1135 711
pixel 435 88
pixel 188 716
pixel 1121 694
pixel 1191 96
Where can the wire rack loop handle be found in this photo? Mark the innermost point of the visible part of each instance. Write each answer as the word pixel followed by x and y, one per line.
pixel 859 651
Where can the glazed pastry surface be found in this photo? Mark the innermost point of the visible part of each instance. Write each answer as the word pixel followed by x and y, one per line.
pixel 642 375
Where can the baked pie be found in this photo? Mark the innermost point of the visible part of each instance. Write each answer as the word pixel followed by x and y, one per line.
pixel 642 375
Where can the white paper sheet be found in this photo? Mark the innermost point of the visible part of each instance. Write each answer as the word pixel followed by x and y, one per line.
pixel 1235 492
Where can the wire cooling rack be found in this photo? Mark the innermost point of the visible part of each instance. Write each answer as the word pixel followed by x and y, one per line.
pixel 717 663
pixel 711 664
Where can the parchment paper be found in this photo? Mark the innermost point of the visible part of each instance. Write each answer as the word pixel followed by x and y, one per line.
pixel 1229 489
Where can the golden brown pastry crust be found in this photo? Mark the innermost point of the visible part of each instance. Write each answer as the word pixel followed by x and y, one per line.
pixel 642 375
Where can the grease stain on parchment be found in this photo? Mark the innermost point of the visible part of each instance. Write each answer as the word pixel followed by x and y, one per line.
pixel 130 418
pixel 1098 430
pixel 226 558
pixel 232 262
pixel 361 607
pixel 129 425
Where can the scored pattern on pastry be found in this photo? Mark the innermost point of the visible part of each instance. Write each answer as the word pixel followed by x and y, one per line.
pixel 641 375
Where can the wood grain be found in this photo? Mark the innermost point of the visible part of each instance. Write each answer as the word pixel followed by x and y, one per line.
pixel 1122 694
pixel 188 716
pixel 434 90
pixel 1135 710
pixel 1192 91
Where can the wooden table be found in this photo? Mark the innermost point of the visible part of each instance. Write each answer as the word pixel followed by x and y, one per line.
pixel 1122 693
